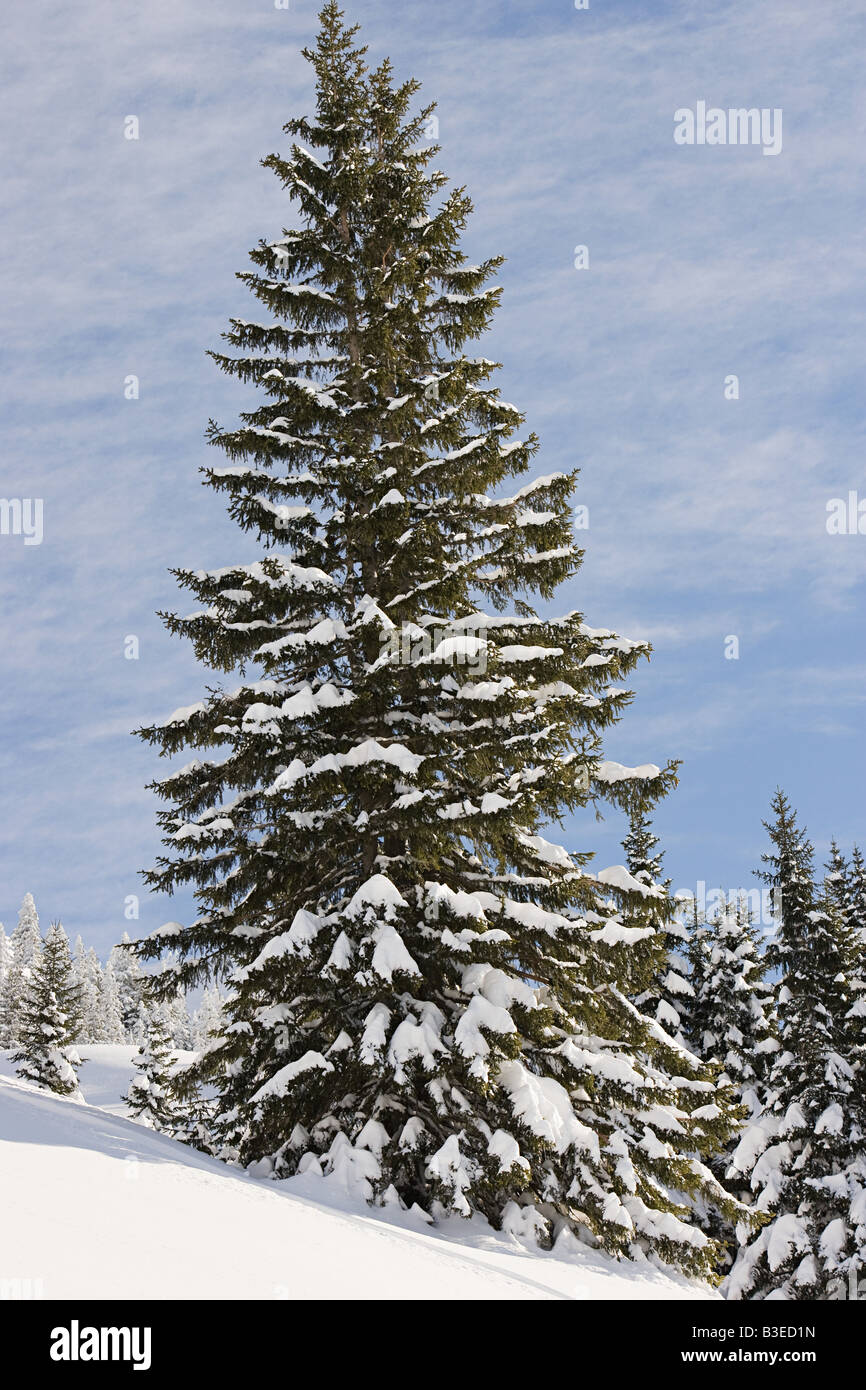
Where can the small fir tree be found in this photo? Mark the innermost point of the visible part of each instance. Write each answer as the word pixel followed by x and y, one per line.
pixel 207 1021
pixel 131 983
pixel 109 1018
pixel 49 1018
pixel 150 1098
pixel 25 945
pixel 87 974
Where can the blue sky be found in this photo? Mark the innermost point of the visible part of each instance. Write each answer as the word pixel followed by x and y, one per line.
pixel 707 516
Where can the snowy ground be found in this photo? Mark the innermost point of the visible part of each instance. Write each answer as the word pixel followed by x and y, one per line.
pixel 99 1207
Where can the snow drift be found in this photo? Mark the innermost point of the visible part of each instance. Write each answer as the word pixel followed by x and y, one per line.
pixel 97 1206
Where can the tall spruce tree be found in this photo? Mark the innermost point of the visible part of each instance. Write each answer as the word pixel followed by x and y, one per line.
pixel 49 1018
pixel 806 1154
pixel 428 994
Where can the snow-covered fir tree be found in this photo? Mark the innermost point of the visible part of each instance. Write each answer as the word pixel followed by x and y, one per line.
pixel 87 974
pixel 208 1018
pixel 665 991
pixel 851 900
pixel 733 1001
pixel 143 1023
pixel 150 1097
pixel 698 931
pixel 5 963
pixel 180 1022
pixel 25 945
pixel 856 893
pixel 429 998
pixel 175 1009
pixel 112 1005
pixel 732 1027
pixel 175 1019
pixel 839 898
pixel 130 980
pixel 109 1019
pixel 806 1155
pixel 49 1018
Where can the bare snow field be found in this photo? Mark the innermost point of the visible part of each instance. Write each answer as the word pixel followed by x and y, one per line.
pixel 98 1206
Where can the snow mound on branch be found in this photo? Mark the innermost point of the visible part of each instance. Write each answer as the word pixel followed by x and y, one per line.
pixel 787 1233
pixel 618 876
pixel 296 941
pixel 364 753
pixel 390 956
pixel 377 892
pixel 183 715
pixel 280 1083
pixel 618 934
pixel 546 850
pixel 617 772
pixel 460 904
pixel 544 1106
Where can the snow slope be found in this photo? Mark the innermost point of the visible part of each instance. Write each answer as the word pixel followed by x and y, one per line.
pixel 97 1206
